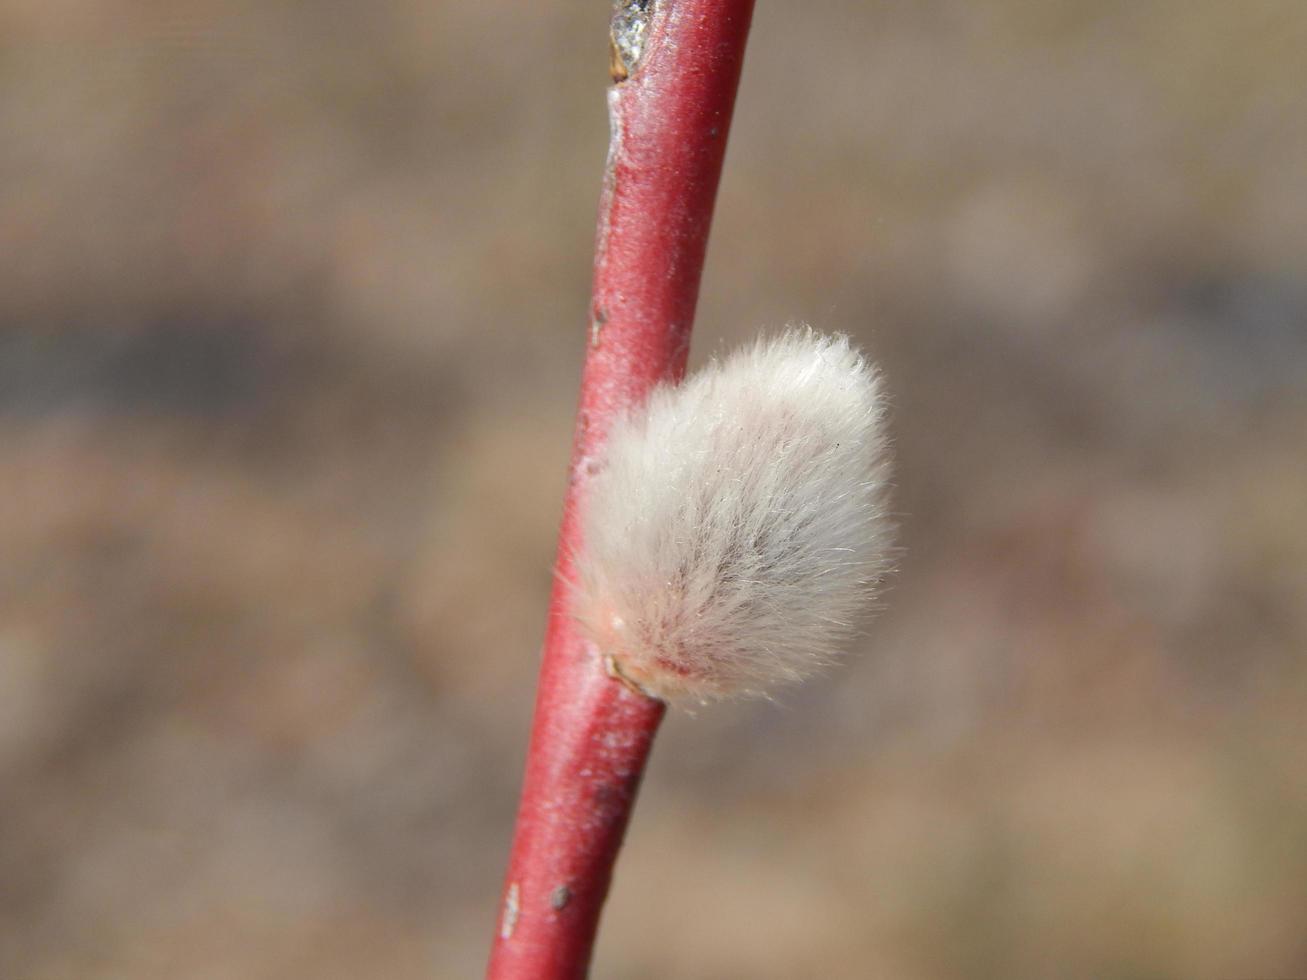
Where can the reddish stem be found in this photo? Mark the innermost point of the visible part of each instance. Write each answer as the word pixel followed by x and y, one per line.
pixel 591 734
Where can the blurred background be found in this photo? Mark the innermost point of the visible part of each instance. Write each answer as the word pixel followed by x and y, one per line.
pixel 292 309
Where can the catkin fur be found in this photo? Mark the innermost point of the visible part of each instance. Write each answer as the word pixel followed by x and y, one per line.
pixel 736 528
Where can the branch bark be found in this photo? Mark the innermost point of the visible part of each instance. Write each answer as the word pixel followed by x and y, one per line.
pixel 677 67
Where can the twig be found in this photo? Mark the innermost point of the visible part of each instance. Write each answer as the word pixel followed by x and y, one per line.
pixel 676 65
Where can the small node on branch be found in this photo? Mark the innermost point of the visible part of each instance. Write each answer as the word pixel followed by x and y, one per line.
pixel 627 35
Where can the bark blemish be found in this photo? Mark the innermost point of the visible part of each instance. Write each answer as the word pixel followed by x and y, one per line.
pixel 512 906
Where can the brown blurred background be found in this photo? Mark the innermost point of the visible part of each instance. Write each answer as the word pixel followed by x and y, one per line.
pixel 292 308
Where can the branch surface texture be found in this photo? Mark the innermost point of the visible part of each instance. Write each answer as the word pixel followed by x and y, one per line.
pixel 676 66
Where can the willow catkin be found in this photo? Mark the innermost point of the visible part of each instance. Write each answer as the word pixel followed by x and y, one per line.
pixel 736 529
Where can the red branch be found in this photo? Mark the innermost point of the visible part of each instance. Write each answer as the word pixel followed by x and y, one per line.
pixel 591 734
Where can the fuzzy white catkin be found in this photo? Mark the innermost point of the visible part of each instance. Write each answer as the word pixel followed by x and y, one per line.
pixel 736 529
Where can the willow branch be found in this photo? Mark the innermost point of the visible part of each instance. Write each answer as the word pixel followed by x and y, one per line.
pixel 676 67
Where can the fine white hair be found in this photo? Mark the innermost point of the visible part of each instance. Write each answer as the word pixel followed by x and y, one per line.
pixel 736 529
